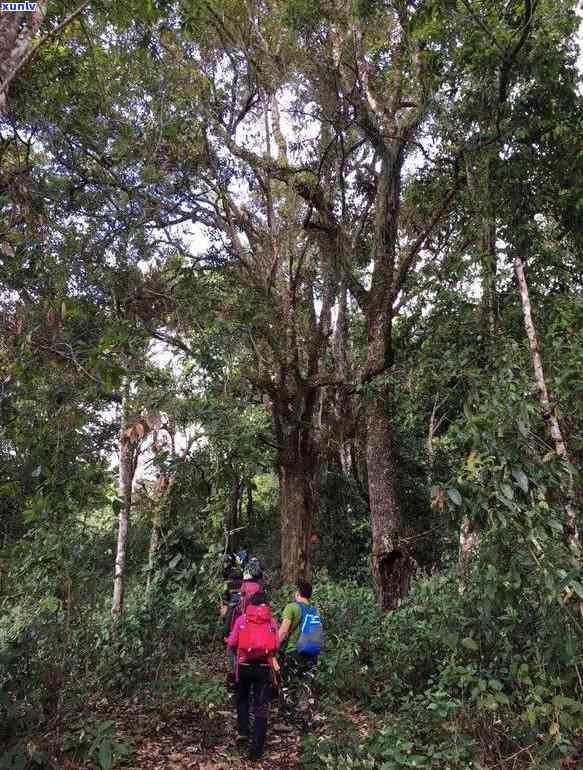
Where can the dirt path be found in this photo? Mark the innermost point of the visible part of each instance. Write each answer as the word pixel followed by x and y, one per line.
pixel 184 741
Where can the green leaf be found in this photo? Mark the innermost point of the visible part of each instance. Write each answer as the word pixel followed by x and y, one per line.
pixel 567 721
pixel 521 479
pixel 562 700
pixel 470 644
pixel 507 491
pixel 105 755
pixel 454 496
pixel 50 603
pixel 554 729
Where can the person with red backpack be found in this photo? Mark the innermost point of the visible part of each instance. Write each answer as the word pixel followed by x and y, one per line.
pixel 234 608
pixel 254 639
pixel 238 603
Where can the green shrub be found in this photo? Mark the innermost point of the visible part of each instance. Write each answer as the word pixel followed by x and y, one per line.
pixel 454 679
pixel 96 741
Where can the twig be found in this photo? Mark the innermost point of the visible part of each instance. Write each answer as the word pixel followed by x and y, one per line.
pixel 516 754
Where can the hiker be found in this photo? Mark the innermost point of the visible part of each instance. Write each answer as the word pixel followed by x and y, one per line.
pixel 300 639
pixel 239 601
pixel 253 571
pixel 232 574
pixel 233 578
pixel 233 607
pixel 254 640
pixel 243 556
pixel 229 565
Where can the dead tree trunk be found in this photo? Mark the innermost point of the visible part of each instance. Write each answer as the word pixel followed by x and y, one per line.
pixel 126 477
pixel 548 411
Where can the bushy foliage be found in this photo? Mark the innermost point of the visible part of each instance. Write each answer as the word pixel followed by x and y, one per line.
pixel 489 683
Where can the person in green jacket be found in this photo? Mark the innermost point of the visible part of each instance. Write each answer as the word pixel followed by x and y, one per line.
pixel 297 669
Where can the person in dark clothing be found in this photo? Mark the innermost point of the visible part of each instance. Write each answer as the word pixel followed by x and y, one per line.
pixel 254 676
pixel 243 556
pixel 232 573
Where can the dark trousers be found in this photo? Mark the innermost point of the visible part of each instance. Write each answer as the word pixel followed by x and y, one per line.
pixel 254 681
pixel 294 665
pixel 297 671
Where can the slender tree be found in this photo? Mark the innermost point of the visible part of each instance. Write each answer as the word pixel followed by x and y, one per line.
pixel 125 484
pixel 548 409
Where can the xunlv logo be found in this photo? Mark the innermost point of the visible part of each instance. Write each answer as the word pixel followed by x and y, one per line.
pixel 30 7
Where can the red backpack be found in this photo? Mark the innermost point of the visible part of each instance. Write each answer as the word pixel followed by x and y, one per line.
pixel 257 637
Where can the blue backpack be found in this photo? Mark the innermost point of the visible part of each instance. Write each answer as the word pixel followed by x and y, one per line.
pixel 311 631
pixel 243 557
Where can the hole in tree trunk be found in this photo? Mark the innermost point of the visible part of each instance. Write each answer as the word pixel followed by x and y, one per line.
pixel 394 569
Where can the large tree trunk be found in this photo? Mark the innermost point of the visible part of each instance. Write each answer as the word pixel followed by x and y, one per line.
pixel 296 521
pixel 390 563
pixel 548 412
pixel 126 477
pixel 297 430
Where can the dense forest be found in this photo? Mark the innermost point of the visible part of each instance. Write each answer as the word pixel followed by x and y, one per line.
pixel 306 276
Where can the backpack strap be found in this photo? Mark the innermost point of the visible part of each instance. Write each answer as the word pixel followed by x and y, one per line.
pixel 304 611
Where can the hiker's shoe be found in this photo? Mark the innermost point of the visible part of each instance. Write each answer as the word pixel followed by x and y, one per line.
pixel 254 755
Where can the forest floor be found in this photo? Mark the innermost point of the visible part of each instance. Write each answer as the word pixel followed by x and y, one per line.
pixel 168 735
pixel 184 741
